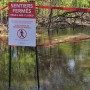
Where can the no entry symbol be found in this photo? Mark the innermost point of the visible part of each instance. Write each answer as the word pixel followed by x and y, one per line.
pixel 21 33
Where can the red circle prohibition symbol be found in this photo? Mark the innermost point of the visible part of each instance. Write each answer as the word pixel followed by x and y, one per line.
pixel 21 33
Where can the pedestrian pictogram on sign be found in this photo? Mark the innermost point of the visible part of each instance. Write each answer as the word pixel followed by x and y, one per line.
pixel 21 33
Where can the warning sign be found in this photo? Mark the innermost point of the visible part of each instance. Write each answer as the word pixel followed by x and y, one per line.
pixel 22 10
pixel 22 24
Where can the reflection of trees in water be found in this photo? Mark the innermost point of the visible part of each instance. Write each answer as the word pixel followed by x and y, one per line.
pixel 55 73
pixel 54 69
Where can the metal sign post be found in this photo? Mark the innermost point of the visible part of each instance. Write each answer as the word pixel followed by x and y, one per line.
pixel 37 68
pixel 10 60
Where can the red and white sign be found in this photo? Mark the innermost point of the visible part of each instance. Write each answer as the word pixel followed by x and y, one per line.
pixel 22 10
pixel 22 24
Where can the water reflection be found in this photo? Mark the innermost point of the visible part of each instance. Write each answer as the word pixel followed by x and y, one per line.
pixel 15 52
pixel 61 70
pixel 71 64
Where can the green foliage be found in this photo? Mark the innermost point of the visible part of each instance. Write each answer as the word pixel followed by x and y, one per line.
pixel 87 73
pixel 73 3
pixel 80 3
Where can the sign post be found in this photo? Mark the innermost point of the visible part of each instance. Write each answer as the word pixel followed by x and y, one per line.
pixel 22 28
pixel 10 59
pixel 37 68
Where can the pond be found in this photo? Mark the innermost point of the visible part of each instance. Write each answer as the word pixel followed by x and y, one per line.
pixel 62 66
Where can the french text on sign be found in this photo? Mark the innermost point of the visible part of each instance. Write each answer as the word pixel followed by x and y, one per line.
pixel 22 10
pixel 22 24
